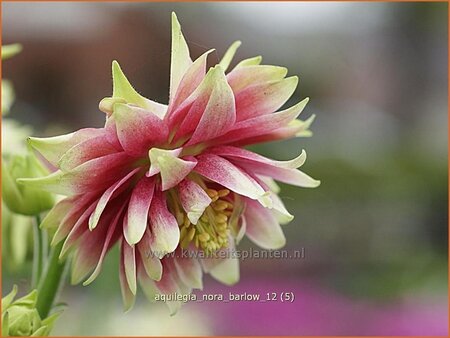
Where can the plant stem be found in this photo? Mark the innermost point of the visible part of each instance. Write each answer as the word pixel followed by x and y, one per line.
pixel 39 253
pixel 50 282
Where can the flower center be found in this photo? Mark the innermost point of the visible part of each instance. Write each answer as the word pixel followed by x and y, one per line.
pixel 212 229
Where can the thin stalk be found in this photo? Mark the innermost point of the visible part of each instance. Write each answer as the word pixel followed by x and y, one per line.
pixel 39 252
pixel 50 282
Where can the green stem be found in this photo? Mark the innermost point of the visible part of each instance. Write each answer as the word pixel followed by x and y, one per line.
pixel 50 282
pixel 39 254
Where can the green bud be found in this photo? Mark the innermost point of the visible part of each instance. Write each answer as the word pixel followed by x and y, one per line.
pixel 7 96
pixel 17 238
pixel 9 51
pixel 20 198
pixel 21 319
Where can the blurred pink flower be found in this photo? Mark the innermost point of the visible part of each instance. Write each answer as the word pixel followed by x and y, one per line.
pixel 320 311
pixel 160 178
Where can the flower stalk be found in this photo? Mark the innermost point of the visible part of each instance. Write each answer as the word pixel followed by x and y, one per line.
pixel 51 281
pixel 39 252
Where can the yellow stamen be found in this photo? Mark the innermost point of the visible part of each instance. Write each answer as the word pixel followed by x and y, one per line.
pixel 212 229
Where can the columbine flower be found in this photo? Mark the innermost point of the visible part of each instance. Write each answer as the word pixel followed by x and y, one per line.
pixel 159 179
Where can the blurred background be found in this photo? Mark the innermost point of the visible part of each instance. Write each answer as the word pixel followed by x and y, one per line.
pixel 374 233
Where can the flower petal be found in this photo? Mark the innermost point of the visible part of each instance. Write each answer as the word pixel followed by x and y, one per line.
pixel 171 283
pixel 256 60
pixel 194 199
pixel 190 271
pixel 86 150
pixel 283 171
pixel 296 128
pixel 262 227
pixel 225 173
pixel 112 191
pixel 190 81
pixel 138 208
pixel 127 296
pixel 88 251
pixel 123 92
pixel 93 175
pixel 129 261
pixel 79 229
pixel 263 98
pixel 106 246
pixel 220 112
pixel 229 54
pixel 262 124
pixel 226 270
pixel 151 264
pixel 213 99
pixel 147 283
pixel 57 213
pixel 138 129
pixel 53 148
pixel 164 227
pixel 78 205
pixel 180 59
pixel 173 169
pixel 245 156
pixel 243 77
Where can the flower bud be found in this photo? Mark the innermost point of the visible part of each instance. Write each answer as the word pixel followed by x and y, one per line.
pixel 20 318
pixel 17 238
pixel 20 198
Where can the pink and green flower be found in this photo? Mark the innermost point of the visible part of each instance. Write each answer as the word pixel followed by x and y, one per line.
pixel 158 179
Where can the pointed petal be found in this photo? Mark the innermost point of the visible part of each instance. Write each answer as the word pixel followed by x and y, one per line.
pixel 122 89
pixel 170 283
pixel 254 61
pixel 213 100
pixel 53 148
pixel 127 296
pixel 147 284
pixel 229 54
pixel 112 191
pixel 138 129
pixel 194 199
pixel 243 77
pixel 151 264
pixel 282 215
pixel 173 169
pixel 220 112
pixel 8 299
pixel 164 227
pixel 85 151
pixel 129 261
pixel 228 175
pixel 65 222
pixel 262 227
pixel 80 229
pixel 227 271
pixel 140 201
pixel 283 171
pixel 191 80
pixel 89 249
pixel 190 271
pixel 251 157
pixel 237 226
pixel 93 175
pixel 180 59
pixel 263 98
pixel 295 128
pixel 262 124
pixel 106 246
pixel 57 213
